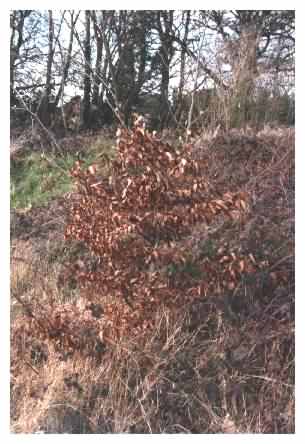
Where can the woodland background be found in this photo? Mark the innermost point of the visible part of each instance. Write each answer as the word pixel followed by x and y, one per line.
pixel 180 68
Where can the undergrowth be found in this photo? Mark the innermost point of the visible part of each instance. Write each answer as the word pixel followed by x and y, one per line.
pixel 183 315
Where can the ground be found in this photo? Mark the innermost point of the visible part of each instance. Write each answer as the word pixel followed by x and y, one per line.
pixel 223 364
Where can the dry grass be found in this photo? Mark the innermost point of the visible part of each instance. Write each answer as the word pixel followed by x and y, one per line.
pixel 224 364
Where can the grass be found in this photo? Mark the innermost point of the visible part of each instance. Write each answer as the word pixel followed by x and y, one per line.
pixel 37 178
pixel 224 364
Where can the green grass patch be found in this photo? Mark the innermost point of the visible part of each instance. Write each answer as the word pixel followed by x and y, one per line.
pixel 37 178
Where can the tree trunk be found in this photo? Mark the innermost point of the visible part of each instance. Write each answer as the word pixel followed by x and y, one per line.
pixel 68 58
pixel 98 63
pixel 43 109
pixel 182 67
pixel 109 61
pixel 244 74
pixel 166 54
pixel 87 76
pixel 17 19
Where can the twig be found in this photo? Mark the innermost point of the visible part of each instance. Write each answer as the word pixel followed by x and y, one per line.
pixel 268 379
pixel 283 259
pixel 35 116
pixel 145 416
pixel 30 365
pixel 190 114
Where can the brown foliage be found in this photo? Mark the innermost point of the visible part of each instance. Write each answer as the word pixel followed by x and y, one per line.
pixel 222 363
pixel 134 222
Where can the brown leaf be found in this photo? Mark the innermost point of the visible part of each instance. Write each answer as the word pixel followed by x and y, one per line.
pixel 92 169
pixel 221 204
pixel 231 285
pixel 243 204
pixel 252 258
pixel 241 265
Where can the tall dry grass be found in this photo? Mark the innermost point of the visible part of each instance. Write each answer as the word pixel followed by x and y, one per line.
pixel 224 364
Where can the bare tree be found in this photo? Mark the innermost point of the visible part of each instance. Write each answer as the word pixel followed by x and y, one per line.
pixel 183 50
pixel 190 114
pixel 17 20
pixel 253 43
pixel 164 23
pixel 66 56
pixel 99 53
pixel 43 109
pixel 87 72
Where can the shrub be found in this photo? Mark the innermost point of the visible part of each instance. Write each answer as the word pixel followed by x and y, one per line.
pixel 138 222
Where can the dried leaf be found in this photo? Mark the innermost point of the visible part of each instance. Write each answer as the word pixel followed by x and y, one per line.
pixel 221 204
pixel 241 265
pixel 243 204
pixel 224 259
pixel 231 285
pixel 252 258
pixel 169 156
pixel 92 169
